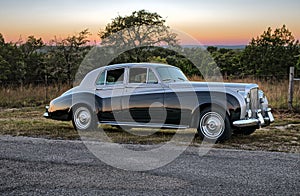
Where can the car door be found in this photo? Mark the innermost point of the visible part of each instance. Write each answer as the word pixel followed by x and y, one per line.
pixel 179 96
pixel 143 96
pixel 178 104
pixel 110 87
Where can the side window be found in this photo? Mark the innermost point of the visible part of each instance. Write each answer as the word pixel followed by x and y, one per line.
pixel 137 75
pixel 115 76
pixel 101 79
pixel 151 77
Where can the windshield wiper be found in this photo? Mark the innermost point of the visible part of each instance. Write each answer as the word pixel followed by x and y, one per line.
pixel 166 79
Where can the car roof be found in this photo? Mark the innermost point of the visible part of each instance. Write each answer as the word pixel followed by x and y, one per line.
pixel 92 75
pixel 137 65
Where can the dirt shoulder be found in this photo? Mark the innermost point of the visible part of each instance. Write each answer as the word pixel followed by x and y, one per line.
pixel 282 136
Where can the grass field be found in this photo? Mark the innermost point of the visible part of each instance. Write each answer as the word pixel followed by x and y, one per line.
pixel 21 110
pixel 283 135
pixel 30 95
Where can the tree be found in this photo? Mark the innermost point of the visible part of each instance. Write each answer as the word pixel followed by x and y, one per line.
pixel 228 60
pixel 141 28
pixel 12 67
pixel 135 33
pixel 2 42
pixel 66 55
pixel 298 62
pixel 22 63
pixel 5 70
pixel 272 53
pixel 142 37
pixel 211 49
pixel 33 59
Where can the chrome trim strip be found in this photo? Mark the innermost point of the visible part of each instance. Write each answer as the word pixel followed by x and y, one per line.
pixel 137 124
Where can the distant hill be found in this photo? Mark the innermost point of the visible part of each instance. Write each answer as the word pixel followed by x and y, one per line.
pixel 46 49
pixel 218 46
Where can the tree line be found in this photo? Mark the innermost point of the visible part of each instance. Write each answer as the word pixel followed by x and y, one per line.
pixel 34 61
pixel 144 37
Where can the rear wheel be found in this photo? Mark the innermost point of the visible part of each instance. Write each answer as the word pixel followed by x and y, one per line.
pixel 214 125
pixel 83 118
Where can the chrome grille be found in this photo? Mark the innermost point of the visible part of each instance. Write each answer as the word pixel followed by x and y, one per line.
pixel 254 101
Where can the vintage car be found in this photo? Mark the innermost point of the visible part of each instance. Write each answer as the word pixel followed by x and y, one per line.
pixel 159 95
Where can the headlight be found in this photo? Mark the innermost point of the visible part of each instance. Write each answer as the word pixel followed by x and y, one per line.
pixel 249 113
pixel 261 96
pixel 247 98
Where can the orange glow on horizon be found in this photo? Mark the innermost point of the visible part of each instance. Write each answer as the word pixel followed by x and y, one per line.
pixel 187 35
pixel 213 40
pixel 203 39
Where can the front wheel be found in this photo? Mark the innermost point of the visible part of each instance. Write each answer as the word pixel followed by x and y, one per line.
pixel 214 125
pixel 83 118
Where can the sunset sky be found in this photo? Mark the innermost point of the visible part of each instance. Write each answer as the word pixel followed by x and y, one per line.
pixel 228 22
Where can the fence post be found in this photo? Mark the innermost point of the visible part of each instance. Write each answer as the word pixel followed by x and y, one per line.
pixel 291 88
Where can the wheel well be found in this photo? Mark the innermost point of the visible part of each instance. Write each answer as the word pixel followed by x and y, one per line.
pixel 196 113
pixel 77 105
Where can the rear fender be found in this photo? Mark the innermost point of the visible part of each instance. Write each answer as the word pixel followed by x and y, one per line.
pixel 89 99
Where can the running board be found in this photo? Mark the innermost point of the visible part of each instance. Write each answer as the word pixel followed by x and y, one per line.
pixel 147 125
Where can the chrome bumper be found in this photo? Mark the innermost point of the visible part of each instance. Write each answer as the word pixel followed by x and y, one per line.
pixel 259 121
pixel 46 114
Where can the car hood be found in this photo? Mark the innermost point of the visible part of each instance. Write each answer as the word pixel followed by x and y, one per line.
pixel 212 85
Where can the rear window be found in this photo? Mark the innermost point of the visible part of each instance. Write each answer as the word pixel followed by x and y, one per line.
pixel 110 77
pixel 115 76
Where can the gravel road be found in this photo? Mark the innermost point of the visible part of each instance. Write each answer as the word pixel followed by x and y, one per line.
pixel 59 167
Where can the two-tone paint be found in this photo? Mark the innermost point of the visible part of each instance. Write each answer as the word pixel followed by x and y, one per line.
pixel 162 104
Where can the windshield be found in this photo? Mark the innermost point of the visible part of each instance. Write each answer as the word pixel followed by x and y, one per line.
pixel 171 74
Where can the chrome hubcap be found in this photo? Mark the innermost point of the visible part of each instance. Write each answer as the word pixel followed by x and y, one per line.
pixel 82 118
pixel 212 125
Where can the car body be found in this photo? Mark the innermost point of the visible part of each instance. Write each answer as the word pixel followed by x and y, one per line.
pixel 159 95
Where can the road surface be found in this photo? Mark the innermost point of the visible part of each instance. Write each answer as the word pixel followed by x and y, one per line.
pixel 54 167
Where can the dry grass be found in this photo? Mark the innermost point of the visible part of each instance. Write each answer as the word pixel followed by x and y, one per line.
pixel 30 95
pixel 277 92
pixel 281 139
pixel 29 122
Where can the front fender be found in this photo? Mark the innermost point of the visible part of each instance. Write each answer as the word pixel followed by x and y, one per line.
pixel 217 100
